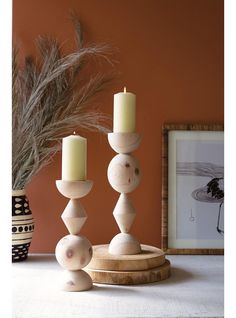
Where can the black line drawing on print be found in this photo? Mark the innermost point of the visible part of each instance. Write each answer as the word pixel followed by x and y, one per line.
pixel 213 191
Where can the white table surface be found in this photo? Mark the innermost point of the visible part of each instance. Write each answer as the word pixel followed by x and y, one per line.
pixel 195 289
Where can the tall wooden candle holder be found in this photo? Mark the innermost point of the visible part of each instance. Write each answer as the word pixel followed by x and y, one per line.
pixel 124 261
pixel 73 252
pixel 124 176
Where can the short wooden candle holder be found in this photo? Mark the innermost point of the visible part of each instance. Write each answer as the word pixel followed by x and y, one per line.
pixel 124 176
pixel 73 252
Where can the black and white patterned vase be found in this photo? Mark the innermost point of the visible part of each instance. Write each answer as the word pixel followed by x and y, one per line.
pixel 22 226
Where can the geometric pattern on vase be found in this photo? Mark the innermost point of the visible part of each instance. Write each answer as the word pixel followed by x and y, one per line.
pixel 74 216
pixel 124 213
pixel 22 227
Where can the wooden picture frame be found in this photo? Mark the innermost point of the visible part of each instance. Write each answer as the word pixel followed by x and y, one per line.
pixel 164 226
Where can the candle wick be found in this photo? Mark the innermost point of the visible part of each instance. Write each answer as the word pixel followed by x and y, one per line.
pixel 124 89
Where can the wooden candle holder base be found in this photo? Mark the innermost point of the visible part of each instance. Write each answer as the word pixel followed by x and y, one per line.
pixel 149 266
pixel 124 244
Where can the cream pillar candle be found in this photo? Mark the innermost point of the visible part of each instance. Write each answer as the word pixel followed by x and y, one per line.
pixel 124 112
pixel 74 158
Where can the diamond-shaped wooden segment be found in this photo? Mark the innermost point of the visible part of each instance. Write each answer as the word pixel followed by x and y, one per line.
pixel 74 216
pixel 124 213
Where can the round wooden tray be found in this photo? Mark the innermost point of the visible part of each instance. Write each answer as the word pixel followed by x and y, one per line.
pixel 150 257
pixel 147 267
pixel 130 277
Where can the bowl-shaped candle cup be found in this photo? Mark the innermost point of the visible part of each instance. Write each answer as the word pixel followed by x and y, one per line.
pixel 124 142
pixel 74 189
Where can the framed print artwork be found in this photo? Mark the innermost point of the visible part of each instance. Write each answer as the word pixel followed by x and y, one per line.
pixel 193 189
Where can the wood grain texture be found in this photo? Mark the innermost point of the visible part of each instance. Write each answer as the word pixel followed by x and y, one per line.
pixel 124 213
pixel 130 277
pixel 74 189
pixel 150 257
pixel 124 173
pixel 164 197
pixel 124 176
pixel 74 216
pixel 195 251
pixel 75 281
pixel 73 252
pixel 124 244
pixel 124 142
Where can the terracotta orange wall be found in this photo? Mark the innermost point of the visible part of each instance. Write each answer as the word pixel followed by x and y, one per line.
pixel 170 54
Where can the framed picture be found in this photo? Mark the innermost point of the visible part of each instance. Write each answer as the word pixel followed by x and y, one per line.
pixel 193 189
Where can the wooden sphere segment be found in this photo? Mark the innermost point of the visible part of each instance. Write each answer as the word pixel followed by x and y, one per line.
pixel 147 267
